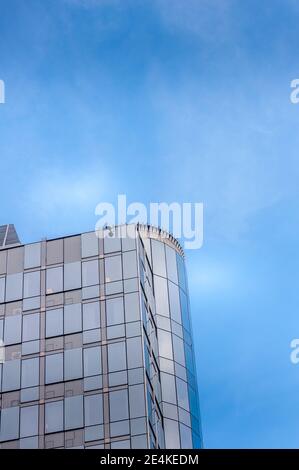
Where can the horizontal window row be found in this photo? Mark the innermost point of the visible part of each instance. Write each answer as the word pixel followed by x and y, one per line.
pixel 67 277
pixel 71 364
pixel 72 318
pixel 63 250
pixel 70 413
pixel 76 412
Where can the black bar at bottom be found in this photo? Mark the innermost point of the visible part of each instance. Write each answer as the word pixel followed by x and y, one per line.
pixel 134 458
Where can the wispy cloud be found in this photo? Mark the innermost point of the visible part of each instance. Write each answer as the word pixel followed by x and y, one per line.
pixel 67 197
pixel 232 140
pixel 207 19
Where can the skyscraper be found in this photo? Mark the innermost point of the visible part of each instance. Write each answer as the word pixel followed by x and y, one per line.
pixel 98 342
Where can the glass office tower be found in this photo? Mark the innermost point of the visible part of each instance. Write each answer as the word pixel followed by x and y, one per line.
pixel 97 341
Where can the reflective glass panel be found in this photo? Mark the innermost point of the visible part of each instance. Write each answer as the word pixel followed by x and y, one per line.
pixel 30 372
pixel 117 356
pixel 90 273
pixel 54 322
pixel 93 408
pixel 9 424
pixel 113 268
pixel 72 364
pixel 14 287
pixel 118 401
pixel 92 361
pixel 32 284
pixel 115 311
pixel 31 327
pixel 54 416
pixel 73 412
pixel 29 421
pixel 72 275
pixel 54 280
pixel 12 329
pixel 91 315
pixel 11 375
pixel 54 368
pixel 72 318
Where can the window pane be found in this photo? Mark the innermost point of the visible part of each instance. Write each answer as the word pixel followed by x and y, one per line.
pixel 168 388
pixel 115 311
pixel 121 444
pixel 161 296
pixel 32 256
pixel 113 270
pixel 93 408
pixel 54 322
pixel 92 361
pixel 90 273
pixel 185 311
pixel 91 315
pixel 186 437
pixel 130 264
pixel 72 318
pixel 29 421
pixel 30 372
pixel 72 275
pixel 2 289
pixel 72 364
pixel 112 244
pixel 171 263
pixel 54 280
pixel 158 256
pixel 54 416
pixel 55 251
pixel 182 391
pixel 73 409
pixel 134 352
pixel 178 350
pixel 117 356
pixel 9 424
pixel 90 244
pixel 29 443
pixel 174 300
pixel 14 287
pixel 118 401
pixel 181 272
pixel 31 327
pixel 54 368
pixel 32 284
pixel 132 307
pixel 12 329
pixel 165 345
pixel 137 401
pixel 172 436
pixel 11 375
pixel 31 303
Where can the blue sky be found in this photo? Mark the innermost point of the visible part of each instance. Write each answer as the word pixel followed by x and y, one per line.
pixel 173 100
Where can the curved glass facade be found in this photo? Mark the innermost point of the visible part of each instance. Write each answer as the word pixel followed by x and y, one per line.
pixel 179 394
pixel 97 343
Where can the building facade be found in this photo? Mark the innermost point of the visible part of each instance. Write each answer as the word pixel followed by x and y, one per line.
pixel 97 341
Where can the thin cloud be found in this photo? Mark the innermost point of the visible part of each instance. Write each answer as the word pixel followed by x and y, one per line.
pixel 208 19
